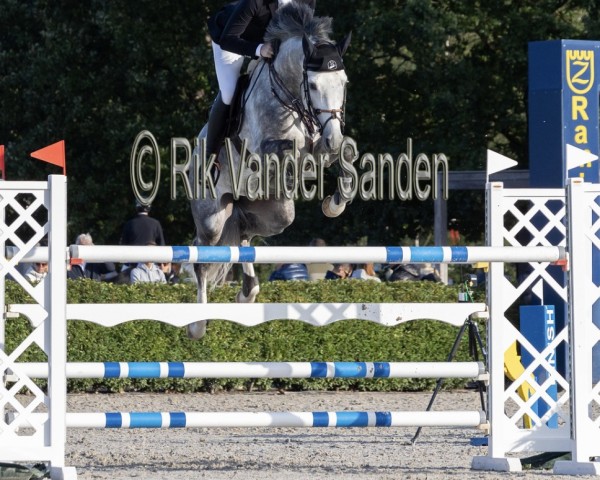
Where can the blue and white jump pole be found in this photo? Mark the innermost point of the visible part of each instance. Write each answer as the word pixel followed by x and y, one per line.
pixel 219 254
pixel 474 370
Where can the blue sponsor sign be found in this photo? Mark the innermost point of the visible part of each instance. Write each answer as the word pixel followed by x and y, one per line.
pixel 538 325
pixel 564 81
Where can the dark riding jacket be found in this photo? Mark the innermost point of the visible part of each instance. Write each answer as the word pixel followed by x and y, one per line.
pixel 239 27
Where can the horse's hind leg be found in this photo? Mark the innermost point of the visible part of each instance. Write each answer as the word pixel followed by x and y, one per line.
pixel 250 287
pixel 197 330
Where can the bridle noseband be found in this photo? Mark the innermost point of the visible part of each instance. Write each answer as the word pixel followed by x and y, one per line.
pixel 308 114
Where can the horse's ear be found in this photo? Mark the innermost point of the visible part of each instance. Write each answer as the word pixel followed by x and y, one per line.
pixel 344 44
pixel 307 46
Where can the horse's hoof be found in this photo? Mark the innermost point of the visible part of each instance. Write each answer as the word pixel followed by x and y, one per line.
pixel 332 209
pixel 196 330
pixel 241 298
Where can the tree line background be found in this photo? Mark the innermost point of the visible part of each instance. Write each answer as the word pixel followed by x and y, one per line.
pixel 450 74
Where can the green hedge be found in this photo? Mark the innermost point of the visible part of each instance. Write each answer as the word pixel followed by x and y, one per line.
pixel 350 340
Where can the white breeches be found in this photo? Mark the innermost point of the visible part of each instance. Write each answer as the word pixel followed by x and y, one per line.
pixel 228 66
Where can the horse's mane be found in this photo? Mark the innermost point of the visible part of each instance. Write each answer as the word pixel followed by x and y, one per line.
pixel 295 19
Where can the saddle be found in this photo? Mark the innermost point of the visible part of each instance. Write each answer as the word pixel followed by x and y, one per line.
pixel 236 112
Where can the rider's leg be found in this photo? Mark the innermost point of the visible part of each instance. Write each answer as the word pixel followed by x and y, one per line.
pixel 228 66
pixel 217 121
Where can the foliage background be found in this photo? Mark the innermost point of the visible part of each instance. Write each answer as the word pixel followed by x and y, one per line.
pixel 450 74
pixel 276 341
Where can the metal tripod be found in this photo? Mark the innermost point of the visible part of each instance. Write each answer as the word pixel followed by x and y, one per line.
pixel 474 342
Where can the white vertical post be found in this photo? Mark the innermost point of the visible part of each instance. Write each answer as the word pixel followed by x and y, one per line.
pixel 56 325
pixel 499 436
pixel 584 434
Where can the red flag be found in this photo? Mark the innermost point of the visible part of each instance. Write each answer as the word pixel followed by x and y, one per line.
pixel 54 154
pixel 2 162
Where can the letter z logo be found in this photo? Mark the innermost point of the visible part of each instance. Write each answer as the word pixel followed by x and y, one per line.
pixel 580 70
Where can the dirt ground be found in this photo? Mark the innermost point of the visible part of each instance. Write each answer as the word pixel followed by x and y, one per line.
pixel 280 453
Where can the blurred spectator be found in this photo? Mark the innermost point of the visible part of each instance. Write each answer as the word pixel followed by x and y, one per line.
pixel 430 274
pixel 147 272
pixel 402 272
pixel 142 229
pixel 453 232
pixel 410 272
pixel 36 272
pixel 317 271
pixel 289 271
pixel 339 271
pixel 364 271
pixel 171 272
pixel 24 267
pixel 95 271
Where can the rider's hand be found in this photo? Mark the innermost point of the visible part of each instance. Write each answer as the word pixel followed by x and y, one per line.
pixel 266 50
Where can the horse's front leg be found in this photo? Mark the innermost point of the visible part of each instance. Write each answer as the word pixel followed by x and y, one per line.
pixel 250 287
pixel 197 330
pixel 210 217
pixel 334 205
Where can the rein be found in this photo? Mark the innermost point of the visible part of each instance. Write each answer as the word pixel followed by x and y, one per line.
pixel 308 114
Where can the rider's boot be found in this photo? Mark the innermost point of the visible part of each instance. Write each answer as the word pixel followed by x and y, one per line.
pixel 215 134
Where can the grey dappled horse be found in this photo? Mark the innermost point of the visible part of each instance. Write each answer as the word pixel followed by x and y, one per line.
pixel 298 97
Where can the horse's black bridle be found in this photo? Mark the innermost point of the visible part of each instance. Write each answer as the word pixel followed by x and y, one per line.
pixel 304 108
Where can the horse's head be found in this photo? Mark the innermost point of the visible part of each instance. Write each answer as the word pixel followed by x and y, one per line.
pixel 325 86
pixel 306 51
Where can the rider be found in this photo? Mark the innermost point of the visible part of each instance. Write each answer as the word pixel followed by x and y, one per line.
pixel 237 31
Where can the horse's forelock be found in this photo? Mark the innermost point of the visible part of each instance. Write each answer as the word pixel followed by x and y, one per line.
pixel 296 19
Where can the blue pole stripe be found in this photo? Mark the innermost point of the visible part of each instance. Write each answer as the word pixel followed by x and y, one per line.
pixel 112 370
pixel 177 420
pixel 214 254
pixel 352 419
pixel 144 369
pixel 393 254
pixel 350 369
pixel 181 254
pixel 247 254
pixel 460 254
pixel 176 370
pixel 383 419
pixel 145 420
pixel 382 370
pixel 318 369
pixel 320 419
pixel 113 420
pixel 426 254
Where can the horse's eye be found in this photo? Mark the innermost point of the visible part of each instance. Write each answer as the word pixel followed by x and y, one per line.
pixel 312 85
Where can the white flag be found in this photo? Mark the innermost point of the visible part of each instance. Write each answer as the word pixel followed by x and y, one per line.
pixel 496 162
pixel 576 157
